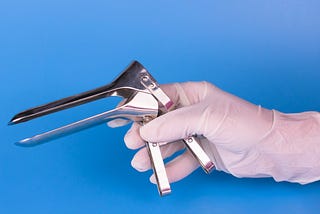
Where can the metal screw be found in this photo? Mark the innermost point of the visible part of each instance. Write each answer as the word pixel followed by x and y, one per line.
pixel 152 85
pixel 145 78
pixel 154 144
pixel 147 119
pixel 189 140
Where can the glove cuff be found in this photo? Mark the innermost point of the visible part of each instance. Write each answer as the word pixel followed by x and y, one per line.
pixel 293 148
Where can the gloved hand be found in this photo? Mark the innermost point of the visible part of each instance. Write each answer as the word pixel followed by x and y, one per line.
pixel 241 138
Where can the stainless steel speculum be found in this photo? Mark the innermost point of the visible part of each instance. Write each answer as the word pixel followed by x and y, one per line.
pixel 143 100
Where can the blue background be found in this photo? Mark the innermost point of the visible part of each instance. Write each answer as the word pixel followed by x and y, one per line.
pixel 267 52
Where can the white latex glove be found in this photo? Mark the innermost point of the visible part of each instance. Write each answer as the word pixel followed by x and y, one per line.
pixel 241 138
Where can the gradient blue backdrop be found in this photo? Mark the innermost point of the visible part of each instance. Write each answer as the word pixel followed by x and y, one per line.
pixel 267 52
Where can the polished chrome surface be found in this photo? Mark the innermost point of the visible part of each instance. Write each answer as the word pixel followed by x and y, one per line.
pixel 157 92
pixel 124 85
pixel 141 105
pixel 159 169
pixel 194 147
pixel 143 101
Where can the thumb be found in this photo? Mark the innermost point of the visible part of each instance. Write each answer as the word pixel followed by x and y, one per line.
pixel 174 125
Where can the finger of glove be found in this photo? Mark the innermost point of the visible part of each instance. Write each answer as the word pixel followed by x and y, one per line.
pixel 187 93
pixel 174 125
pixel 132 138
pixel 141 160
pixel 179 168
